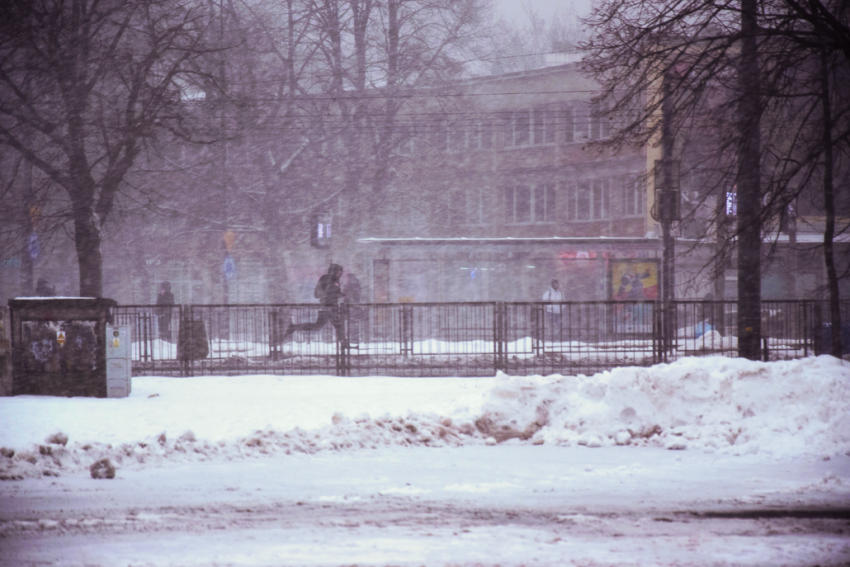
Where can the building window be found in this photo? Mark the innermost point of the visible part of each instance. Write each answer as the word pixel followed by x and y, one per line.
pixel 518 202
pixel 475 203
pixel 601 199
pixel 600 127
pixel 568 126
pixel 459 136
pixel 544 203
pixel 531 127
pixel 481 135
pixel 583 201
pixel 404 140
pixel 545 125
pixel 439 135
pixel 526 204
pixel 581 122
pixel 589 200
pixel 521 127
pixel 633 198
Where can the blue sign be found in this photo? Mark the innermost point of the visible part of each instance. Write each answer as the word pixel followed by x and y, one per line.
pixel 33 246
pixel 229 267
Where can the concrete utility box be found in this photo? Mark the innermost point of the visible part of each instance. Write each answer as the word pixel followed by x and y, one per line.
pixel 118 361
pixel 59 345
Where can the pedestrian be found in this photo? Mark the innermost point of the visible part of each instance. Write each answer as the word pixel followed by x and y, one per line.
pixel 352 292
pixel 553 297
pixel 44 289
pixel 164 302
pixel 352 289
pixel 329 293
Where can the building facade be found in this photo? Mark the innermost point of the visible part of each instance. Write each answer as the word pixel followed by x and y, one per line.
pixel 491 188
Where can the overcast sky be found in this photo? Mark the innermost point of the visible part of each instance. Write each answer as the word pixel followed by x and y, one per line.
pixel 513 10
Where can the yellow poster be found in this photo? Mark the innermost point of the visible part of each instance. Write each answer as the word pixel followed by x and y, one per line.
pixel 634 280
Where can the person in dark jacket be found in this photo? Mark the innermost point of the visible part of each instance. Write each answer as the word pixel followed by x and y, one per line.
pixel 44 289
pixel 165 303
pixel 329 293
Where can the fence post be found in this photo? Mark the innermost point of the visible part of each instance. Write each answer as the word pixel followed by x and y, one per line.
pixel 500 336
pixel 537 329
pixel 657 338
pixel 406 329
pixel 804 308
pixel 274 348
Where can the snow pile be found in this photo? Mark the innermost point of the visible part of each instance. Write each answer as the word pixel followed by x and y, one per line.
pixel 713 404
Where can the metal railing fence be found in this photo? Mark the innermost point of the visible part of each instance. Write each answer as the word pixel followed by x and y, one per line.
pixel 451 339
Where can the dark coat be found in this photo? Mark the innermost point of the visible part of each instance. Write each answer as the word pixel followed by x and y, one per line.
pixel 329 289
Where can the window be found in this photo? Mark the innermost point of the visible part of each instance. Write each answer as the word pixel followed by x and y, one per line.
pixel 544 203
pixel 439 135
pixel 404 140
pixel 633 197
pixel 582 206
pixel 545 123
pixel 521 206
pixel 485 134
pixel 570 202
pixel 526 204
pixel 601 199
pixel 581 122
pixel 458 136
pixel 521 127
pixel 531 127
pixel 589 200
pixel 596 121
pixel 568 127
pixel 475 205
pixel 481 135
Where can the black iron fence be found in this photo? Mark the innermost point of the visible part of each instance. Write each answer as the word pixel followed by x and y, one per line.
pixel 453 339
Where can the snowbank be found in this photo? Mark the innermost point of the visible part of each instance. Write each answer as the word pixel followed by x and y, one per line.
pixel 713 404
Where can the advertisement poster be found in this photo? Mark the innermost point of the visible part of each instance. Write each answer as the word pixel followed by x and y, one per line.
pixel 634 280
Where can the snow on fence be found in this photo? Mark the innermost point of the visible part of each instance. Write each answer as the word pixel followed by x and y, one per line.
pixel 452 339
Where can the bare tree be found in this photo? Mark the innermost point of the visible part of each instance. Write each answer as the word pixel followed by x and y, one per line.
pixel 84 85
pixel 734 69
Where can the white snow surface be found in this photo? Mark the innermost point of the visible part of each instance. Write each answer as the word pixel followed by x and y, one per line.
pixel 717 404
pixel 619 468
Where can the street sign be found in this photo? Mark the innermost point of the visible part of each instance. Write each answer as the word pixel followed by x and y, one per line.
pixel 320 231
pixel 229 267
pixel 33 246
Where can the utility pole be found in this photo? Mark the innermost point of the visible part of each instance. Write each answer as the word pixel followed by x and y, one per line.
pixel 228 265
pixel 666 178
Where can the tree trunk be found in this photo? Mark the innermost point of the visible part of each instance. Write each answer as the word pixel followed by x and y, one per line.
pixel 87 239
pixel 829 209
pixel 749 190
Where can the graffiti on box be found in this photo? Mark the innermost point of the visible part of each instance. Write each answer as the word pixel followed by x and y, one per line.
pixel 59 346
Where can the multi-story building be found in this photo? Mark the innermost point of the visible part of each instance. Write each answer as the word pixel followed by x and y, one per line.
pixel 519 195
pixel 493 187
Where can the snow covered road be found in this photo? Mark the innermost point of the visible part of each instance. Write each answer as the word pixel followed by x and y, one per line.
pixel 510 504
